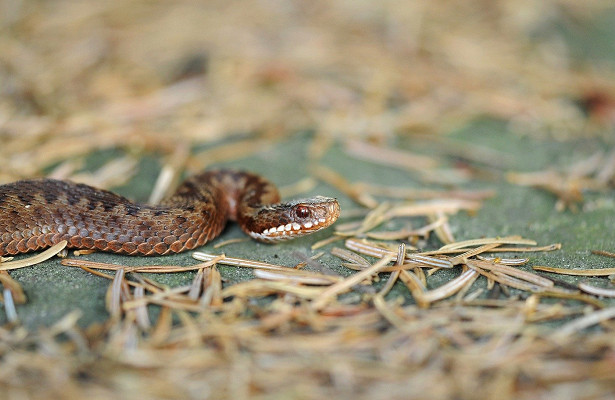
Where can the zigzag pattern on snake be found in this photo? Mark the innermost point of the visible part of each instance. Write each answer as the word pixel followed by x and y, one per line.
pixel 36 214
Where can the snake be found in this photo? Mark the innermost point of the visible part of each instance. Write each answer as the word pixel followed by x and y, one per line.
pixel 39 213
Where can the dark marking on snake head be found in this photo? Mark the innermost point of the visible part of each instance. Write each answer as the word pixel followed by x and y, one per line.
pixel 50 196
pixel 132 209
pixel 25 197
pixel 73 199
pixel 108 205
pixel 187 188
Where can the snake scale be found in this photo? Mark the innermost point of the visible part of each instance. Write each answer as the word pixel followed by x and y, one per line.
pixel 36 214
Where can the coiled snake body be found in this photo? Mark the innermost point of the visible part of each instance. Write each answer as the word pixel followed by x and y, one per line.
pixel 36 214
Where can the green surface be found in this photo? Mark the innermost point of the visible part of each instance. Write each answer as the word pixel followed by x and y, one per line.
pixel 53 290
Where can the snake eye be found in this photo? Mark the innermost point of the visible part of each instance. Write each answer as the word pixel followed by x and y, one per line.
pixel 302 212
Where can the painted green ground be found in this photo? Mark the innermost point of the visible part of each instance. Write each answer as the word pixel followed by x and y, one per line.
pixel 54 290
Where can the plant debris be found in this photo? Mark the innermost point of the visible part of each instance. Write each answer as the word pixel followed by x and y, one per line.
pixel 392 305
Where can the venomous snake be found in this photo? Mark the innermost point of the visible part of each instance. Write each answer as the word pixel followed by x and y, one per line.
pixel 36 214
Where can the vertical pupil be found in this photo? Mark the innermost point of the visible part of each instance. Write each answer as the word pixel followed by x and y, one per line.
pixel 302 212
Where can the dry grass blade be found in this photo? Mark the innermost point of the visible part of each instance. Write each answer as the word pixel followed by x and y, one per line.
pixel 550 247
pixel 596 291
pixel 364 247
pixel 516 240
pixel 576 272
pixel 473 252
pixel 419 259
pixel 176 298
pixel 114 173
pixel 414 266
pixel 426 261
pixel 397 235
pixel 154 269
pixel 416 287
pixel 603 253
pixel 505 261
pixel 374 218
pixel 39 258
pixel 386 311
pixel 259 287
pixel 238 262
pixel 304 278
pixel 302 186
pixel 548 180
pixel 141 315
pixel 230 241
pixel 592 301
pixel 505 279
pixel 170 173
pixel 18 295
pixel 66 169
pixel 517 273
pixel 340 183
pixel 569 185
pixel 424 194
pixel 162 328
pixel 392 157
pixel 450 288
pixel 212 293
pixel 401 253
pixel 79 83
pixel 355 279
pixel 443 231
pixel 197 285
pixel 231 151
pixel 444 206
pixel 586 166
pixel 606 171
pixel 325 242
pixel 114 295
pixel 424 231
pixel 9 306
pixel 584 322
pixel 350 256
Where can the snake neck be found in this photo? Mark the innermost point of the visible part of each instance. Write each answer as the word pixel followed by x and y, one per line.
pixel 239 196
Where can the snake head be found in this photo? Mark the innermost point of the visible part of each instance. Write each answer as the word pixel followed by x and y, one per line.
pixel 290 220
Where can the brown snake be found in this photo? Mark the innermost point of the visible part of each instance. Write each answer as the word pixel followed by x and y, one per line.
pixel 36 214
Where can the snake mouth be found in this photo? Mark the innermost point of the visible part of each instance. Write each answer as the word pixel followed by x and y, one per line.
pixel 294 228
pixel 327 215
pixel 290 230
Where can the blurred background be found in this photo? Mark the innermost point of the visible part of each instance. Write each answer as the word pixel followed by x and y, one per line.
pixel 358 99
pixel 81 76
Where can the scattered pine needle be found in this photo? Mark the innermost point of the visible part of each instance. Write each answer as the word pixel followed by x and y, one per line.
pixel 399 317
pixel 603 253
pixel 596 291
pixel 230 241
pixel 155 269
pixel 37 259
pixel 576 272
